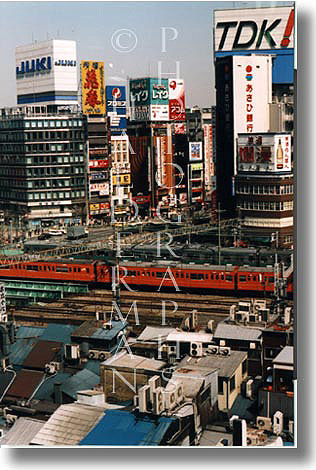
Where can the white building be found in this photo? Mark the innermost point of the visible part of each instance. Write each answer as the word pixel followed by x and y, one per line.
pixel 46 73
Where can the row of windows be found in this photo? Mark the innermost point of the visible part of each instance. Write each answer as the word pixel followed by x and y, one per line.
pixel 57 269
pixel 43 196
pixel 54 135
pixel 55 123
pixel 264 189
pixel 52 159
pixel 64 147
pixel 42 171
pixel 254 277
pixel 193 276
pixel 266 206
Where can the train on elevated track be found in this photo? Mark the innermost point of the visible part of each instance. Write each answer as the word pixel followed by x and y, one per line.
pixel 138 275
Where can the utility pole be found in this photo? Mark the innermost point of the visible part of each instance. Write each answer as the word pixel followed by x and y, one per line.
pixel 219 232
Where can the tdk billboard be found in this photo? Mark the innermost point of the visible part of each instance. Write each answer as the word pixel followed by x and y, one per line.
pixel 258 31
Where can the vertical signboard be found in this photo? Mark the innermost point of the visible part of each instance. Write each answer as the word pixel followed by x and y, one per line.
pixel 93 92
pixel 176 100
pixel 195 151
pixel 208 153
pixel 116 107
pixel 252 93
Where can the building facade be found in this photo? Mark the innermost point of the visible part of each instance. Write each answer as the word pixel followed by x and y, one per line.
pixel 42 166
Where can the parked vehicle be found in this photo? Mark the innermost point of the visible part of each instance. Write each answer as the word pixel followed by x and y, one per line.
pixel 76 232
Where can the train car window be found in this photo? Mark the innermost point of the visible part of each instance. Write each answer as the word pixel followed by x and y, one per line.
pixel 158 274
pixel 182 275
pixel 79 269
pixel 177 274
pixel 75 270
pixel 200 276
pixel 222 277
pixel 249 278
pixel 32 268
pixel 88 270
pixel 48 268
pixel 187 275
pixel 44 268
pixel 255 278
pixel 206 276
pixel 242 278
pixel 143 274
pixel 61 269
pixel 152 274
pixel 271 280
pixel 148 274
pixel 229 277
pixel 216 277
pixel 138 273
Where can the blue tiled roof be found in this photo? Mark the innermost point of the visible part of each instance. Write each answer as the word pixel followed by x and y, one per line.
pixel 83 380
pixel 26 338
pixel 128 429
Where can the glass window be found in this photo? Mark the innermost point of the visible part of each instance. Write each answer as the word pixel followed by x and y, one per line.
pixel 220 385
pixel 232 384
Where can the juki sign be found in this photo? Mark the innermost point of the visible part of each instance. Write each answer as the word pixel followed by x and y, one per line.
pixel 34 65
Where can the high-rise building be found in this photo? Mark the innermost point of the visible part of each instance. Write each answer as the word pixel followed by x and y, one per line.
pixel 241 36
pixel 42 165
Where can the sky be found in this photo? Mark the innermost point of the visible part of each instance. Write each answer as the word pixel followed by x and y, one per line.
pixel 95 26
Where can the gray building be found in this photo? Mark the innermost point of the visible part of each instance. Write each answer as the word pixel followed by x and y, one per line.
pixel 43 169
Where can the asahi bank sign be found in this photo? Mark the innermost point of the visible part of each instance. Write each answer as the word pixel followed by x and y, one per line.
pixel 254 29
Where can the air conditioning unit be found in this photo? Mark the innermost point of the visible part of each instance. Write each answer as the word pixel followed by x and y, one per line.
pixel 158 401
pixel 100 316
pixel 196 349
pixel 264 314
pixel 107 325
pixel 240 316
pixel 4 318
pixel 222 342
pixel 253 318
pixel 291 426
pixel 212 349
pixel 144 399
pixel 224 351
pixel 232 312
pixel 170 399
pixel 172 350
pixel 72 351
pixel 287 315
pixel 264 423
pixel 154 383
pixel 179 392
pixel 210 326
pixel 10 419
pixel 249 385
pixel 278 422
pixel 97 355
pixel 52 367
pixel 259 304
pixel 252 440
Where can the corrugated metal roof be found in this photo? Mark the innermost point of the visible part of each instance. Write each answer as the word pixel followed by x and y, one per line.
pixel 224 331
pixel 125 359
pixel 68 425
pixel 46 391
pixel 286 356
pixel 153 333
pixel 26 338
pixel 226 365
pixel 42 353
pixel 22 432
pixel 128 429
pixel 83 380
pixel 24 384
pixel 94 329
pixel 188 337
pixel 58 332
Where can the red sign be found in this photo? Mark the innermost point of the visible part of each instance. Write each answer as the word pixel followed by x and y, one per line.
pixel 141 199
pixel 99 163
pixel 176 100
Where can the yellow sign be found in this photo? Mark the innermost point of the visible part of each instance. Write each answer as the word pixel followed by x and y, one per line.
pixel 196 166
pixel 93 90
pixel 94 207
pixel 121 179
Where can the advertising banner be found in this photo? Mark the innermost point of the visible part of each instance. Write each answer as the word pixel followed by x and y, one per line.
pixel 99 163
pixel 116 106
pixel 149 99
pixel 179 128
pixel 195 151
pixel 121 180
pixel 176 100
pixel 196 166
pixel 254 29
pixel 93 92
pixel 101 188
pixel 264 152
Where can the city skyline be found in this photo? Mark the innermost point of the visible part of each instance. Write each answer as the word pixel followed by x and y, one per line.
pixel 155 30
